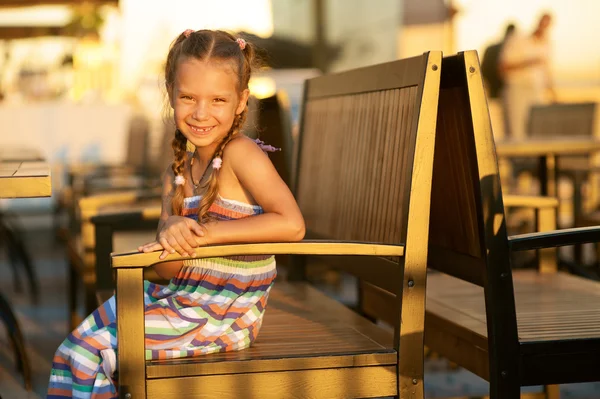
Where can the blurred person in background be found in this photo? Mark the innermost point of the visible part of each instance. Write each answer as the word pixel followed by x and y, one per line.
pixel 490 64
pixel 525 68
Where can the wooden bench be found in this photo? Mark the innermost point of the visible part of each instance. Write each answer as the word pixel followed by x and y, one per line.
pixel 363 183
pixel 512 328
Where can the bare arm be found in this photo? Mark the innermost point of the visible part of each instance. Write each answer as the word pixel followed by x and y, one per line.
pixel 281 220
pixel 166 270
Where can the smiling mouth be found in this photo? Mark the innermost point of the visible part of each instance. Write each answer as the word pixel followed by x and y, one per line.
pixel 201 129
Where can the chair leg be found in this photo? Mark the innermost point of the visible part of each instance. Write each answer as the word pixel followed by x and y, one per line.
pixel 16 337
pixel 34 286
pixel 19 254
pixel 13 262
pixel 552 391
pixel 10 251
pixel 505 389
pixel 72 284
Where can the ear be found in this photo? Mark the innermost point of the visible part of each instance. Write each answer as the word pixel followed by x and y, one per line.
pixel 243 101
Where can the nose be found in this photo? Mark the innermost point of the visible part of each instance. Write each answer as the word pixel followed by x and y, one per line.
pixel 201 111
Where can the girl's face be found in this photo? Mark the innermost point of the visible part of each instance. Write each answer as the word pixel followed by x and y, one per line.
pixel 205 101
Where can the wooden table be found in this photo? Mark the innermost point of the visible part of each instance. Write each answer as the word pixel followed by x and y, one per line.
pixel 22 174
pixel 24 179
pixel 548 151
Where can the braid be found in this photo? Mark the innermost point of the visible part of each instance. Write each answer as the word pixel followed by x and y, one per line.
pixel 212 183
pixel 179 147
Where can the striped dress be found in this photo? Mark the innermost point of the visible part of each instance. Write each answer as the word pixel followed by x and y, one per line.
pixel 212 305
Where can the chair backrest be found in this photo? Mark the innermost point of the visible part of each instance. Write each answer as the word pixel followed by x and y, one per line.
pixel 364 173
pixel 560 120
pixel 467 227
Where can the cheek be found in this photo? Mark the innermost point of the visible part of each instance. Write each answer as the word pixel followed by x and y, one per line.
pixel 226 113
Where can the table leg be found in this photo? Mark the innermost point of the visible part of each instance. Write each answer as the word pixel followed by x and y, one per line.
pixel 550 175
pixel 16 337
pixel 543 175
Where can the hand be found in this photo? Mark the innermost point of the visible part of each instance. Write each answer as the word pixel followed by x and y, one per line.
pixel 178 234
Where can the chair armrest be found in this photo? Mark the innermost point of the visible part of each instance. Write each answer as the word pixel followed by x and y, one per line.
pixel 528 201
pixel 555 238
pixel 305 247
pixel 89 205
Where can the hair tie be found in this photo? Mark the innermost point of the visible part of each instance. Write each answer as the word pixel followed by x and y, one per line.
pixel 179 180
pixel 241 42
pixel 216 163
pixel 187 33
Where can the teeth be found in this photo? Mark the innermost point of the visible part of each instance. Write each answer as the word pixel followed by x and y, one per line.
pixel 197 129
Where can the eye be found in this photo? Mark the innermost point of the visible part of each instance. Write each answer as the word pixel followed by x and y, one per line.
pixel 219 100
pixel 185 97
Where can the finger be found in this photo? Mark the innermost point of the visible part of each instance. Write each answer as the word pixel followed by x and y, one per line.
pixel 165 244
pixel 163 254
pixel 155 246
pixel 185 246
pixel 141 247
pixel 197 229
pixel 191 241
pixel 174 243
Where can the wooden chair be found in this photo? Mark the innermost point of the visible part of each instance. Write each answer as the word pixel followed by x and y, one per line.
pixel 512 328
pixel 80 247
pixel 80 177
pixel 364 173
pixel 563 121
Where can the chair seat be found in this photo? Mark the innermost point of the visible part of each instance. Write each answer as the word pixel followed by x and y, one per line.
pixel 303 329
pixel 550 307
pixel 558 317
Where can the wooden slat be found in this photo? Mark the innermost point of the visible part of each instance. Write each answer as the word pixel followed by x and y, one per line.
pixel 357 382
pixel 549 306
pixel 410 337
pixel 392 75
pixel 136 259
pixel 302 329
pixel 342 204
pixel 130 334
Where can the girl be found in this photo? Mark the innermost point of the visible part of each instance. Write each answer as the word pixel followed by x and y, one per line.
pixel 226 191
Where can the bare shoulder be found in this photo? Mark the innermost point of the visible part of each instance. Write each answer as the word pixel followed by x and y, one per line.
pixel 243 150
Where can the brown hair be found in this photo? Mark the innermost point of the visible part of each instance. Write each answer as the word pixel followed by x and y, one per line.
pixel 204 45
